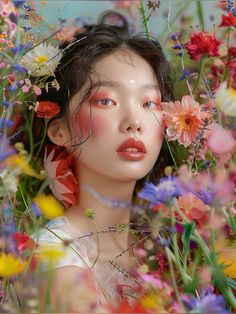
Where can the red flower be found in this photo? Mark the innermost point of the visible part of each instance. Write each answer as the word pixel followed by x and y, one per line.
pixel 232 51
pixel 124 307
pixel 58 164
pixel 228 20
pixel 231 65
pixel 46 109
pixel 23 241
pixel 201 43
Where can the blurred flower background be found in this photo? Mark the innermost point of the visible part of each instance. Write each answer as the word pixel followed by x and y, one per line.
pixel 188 256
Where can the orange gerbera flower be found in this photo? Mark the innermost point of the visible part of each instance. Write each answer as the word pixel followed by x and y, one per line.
pixel 183 120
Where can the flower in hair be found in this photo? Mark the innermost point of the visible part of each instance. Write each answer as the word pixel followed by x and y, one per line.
pixel 46 109
pixel 58 164
pixel 42 60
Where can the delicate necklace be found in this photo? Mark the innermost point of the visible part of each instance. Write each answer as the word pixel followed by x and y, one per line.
pixel 115 203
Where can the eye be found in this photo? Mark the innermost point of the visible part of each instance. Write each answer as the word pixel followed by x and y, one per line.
pixel 106 102
pixel 151 105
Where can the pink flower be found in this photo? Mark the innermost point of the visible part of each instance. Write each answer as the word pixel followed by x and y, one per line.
pixel 220 141
pixel 194 209
pixel 183 120
pixel 25 89
pixel 37 90
pixel 122 4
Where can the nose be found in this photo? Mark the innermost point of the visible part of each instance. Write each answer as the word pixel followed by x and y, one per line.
pixel 131 124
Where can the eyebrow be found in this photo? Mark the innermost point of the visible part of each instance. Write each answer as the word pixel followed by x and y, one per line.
pixel 116 84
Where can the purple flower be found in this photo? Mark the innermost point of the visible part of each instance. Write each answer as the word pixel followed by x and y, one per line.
pixel 164 192
pixel 208 303
pixel 207 196
pixel 5 149
pixel 19 68
pixel 36 210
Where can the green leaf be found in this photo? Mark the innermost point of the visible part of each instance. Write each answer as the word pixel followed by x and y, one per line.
pixel 188 230
pixel 231 282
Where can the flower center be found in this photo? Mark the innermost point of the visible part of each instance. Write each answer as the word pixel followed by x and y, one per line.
pixel 188 121
pixel 41 59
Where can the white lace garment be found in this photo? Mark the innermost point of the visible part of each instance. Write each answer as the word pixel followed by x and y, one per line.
pixel 114 283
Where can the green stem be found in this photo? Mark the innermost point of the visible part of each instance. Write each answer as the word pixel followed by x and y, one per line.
pixel 42 141
pixel 202 64
pixel 144 18
pixel 31 138
pixel 178 263
pixel 172 275
pixel 200 14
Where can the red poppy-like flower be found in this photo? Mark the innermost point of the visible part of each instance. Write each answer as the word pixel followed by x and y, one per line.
pixel 228 20
pixel 202 43
pixel 46 109
pixel 58 164
pixel 23 241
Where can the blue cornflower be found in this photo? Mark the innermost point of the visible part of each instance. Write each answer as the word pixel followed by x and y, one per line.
pixel 163 193
pixel 19 3
pixel 19 68
pixel 208 303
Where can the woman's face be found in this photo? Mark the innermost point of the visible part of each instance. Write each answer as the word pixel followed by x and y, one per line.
pixel 120 122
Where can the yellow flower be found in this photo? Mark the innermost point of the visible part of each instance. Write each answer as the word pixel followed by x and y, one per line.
pixel 17 162
pixel 227 257
pixel 226 100
pixel 154 302
pixel 49 206
pixel 51 253
pixel 11 265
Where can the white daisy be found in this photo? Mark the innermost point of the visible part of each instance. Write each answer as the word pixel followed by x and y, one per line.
pixel 226 100
pixel 8 182
pixel 42 60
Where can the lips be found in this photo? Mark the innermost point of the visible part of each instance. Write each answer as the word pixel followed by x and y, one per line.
pixel 132 149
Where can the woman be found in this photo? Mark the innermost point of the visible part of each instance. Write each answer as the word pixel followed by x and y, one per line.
pixel 111 87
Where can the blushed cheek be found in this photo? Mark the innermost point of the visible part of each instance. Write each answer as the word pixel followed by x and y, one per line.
pixel 84 125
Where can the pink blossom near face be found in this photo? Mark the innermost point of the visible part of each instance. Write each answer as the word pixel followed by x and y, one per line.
pixel 220 141
pixel 183 120
pixel 124 104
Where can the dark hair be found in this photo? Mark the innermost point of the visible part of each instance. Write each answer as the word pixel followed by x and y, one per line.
pixel 75 67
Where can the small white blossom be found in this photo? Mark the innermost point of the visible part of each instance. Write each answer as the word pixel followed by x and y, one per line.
pixel 42 60
pixel 8 182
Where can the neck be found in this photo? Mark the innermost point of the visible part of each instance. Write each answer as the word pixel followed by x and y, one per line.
pixel 109 200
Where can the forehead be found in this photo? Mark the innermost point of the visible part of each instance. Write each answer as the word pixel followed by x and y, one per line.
pixel 124 66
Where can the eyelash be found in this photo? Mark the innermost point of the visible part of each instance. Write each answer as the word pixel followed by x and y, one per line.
pixel 101 101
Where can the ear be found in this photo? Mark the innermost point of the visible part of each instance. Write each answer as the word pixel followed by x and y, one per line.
pixel 58 132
